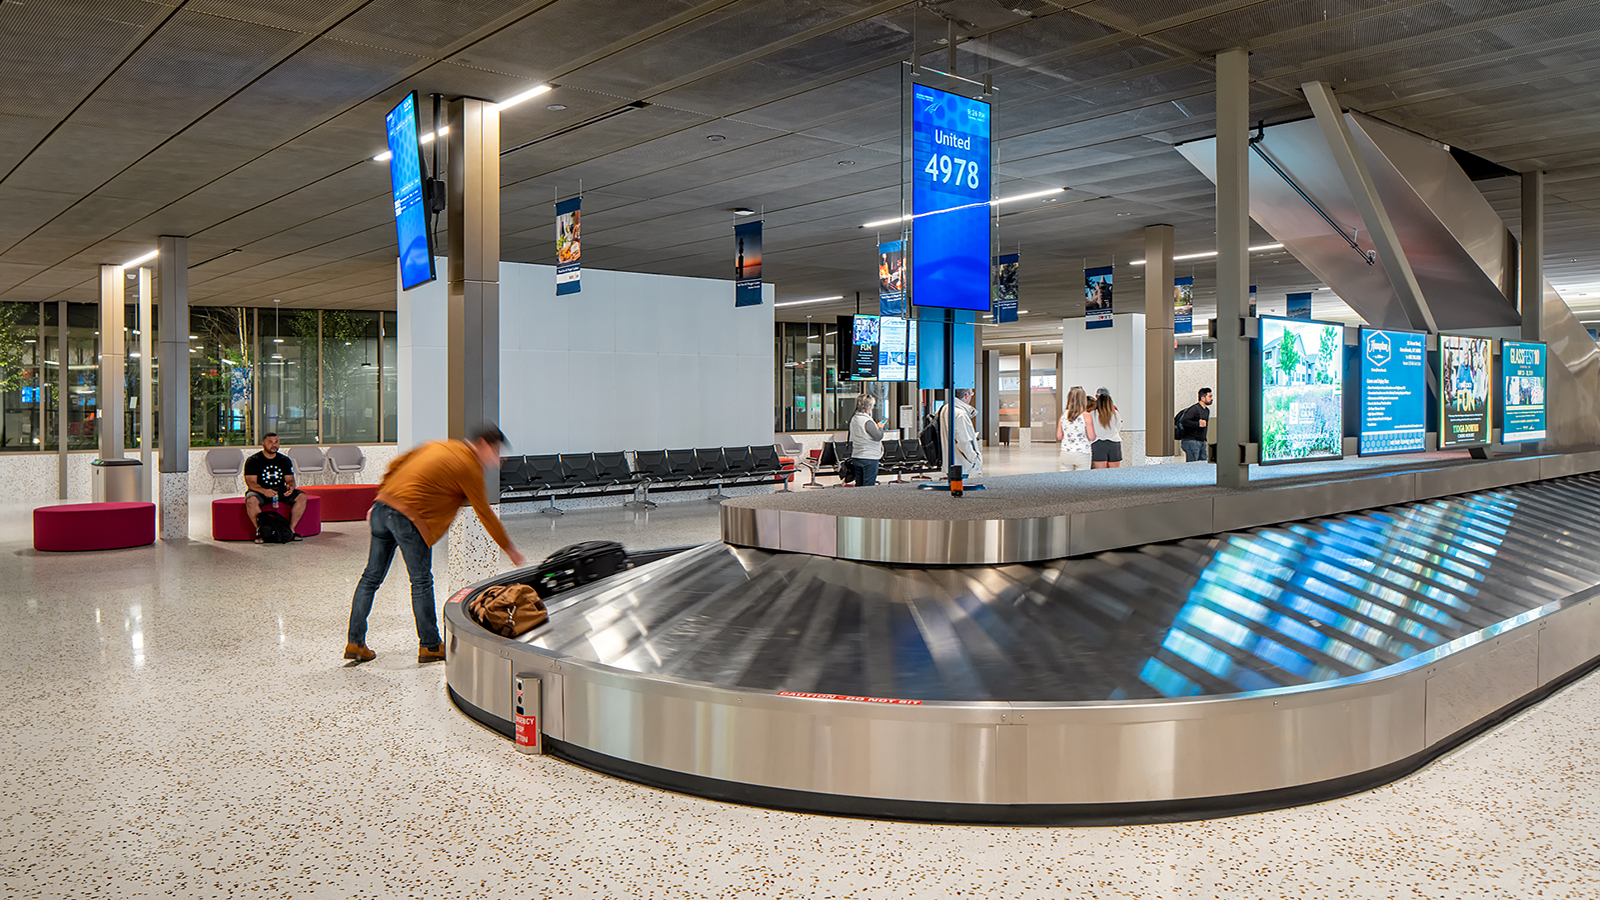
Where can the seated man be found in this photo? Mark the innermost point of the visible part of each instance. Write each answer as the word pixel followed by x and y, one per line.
pixel 268 475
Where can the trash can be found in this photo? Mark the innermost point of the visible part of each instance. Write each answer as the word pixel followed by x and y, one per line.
pixel 117 480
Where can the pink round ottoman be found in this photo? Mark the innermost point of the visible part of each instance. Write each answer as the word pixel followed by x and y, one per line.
pixel 344 502
pixel 229 522
pixel 94 526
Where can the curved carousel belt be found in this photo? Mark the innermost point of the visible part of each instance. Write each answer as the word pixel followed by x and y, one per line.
pixel 1243 671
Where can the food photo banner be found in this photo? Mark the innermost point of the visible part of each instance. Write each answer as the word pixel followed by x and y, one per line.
pixel 747 264
pixel 569 246
pixel 1097 301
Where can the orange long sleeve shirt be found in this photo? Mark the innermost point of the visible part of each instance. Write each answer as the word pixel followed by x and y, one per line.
pixel 430 484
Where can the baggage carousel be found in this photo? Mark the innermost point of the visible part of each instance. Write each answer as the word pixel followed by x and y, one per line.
pixel 1207 676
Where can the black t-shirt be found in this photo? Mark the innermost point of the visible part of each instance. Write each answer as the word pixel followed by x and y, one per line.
pixel 272 474
pixel 1193 423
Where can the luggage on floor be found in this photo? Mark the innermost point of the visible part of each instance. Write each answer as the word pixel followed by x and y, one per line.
pixel 578 564
pixel 508 609
pixel 272 528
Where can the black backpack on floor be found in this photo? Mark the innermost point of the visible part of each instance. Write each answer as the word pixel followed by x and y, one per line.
pixel 273 528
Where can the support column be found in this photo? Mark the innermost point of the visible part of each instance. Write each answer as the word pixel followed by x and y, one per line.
pixel 173 273
pixel 1531 294
pixel 1159 402
pixel 113 363
pixel 62 404
pixel 1233 267
pixel 1025 394
pixel 991 397
pixel 146 391
pixel 473 210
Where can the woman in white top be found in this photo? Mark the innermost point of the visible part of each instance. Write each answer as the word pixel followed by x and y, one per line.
pixel 1072 431
pixel 1105 431
pixel 866 442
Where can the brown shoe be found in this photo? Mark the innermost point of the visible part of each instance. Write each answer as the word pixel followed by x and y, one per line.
pixel 359 653
pixel 431 654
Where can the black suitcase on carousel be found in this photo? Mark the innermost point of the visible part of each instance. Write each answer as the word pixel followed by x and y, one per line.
pixel 578 564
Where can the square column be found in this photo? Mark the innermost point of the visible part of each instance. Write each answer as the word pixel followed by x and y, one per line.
pixel 1159 403
pixel 173 274
pixel 1231 424
pixel 113 399
pixel 1531 292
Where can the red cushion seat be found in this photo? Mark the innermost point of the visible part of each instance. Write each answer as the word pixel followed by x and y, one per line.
pixel 229 521
pixel 344 502
pixel 94 526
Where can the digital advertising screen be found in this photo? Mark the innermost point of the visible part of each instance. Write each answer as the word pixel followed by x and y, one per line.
pixel 950 235
pixel 892 278
pixel 1522 368
pixel 864 337
pixel 1302 390
pixel 1464 367
pixel 892 349
pixel 1394 391
pixel 405 181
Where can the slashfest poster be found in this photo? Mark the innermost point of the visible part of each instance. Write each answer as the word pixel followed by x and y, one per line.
pixel 1005 304
pixel 747 264
pixel 1183 305
pixel 1097 297
pixel 569 246
pixel 892 278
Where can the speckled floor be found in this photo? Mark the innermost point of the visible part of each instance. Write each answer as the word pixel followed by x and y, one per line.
pixel 178 723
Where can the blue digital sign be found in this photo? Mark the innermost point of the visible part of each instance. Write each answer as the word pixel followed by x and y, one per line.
pixel 1522 367
pixel 405 180
pixel 950 196
pixel 1394 391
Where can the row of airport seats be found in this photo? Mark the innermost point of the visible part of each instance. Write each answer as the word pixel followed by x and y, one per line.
pixel 900 458
pixel 554 476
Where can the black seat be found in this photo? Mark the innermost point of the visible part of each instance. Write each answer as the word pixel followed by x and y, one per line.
pixel 612 468
pixel 737 462
pixel 651 467
pixel 767 467
pixel 914 461
pixel 545 475
pixel 683 465
pixel 892 460
pixel 712 466
pixel 512 477
pixel 580 470
pixel 841 455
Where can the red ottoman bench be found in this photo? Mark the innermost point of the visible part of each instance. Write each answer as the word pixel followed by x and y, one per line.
pixel 94 526
pixel 344 502
pixel 229 522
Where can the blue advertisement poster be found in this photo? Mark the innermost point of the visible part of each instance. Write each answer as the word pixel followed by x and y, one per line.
pixel 1394 391
pixel 1464 398
pixel 950 236
pixel 569 246
pixel 1252 300
pixel 892 278
pixel 747 264
pixel 1183 305
pixel 1005 303
pixel 1097 298
pixel 1299 306
pixel 1302 390
pixel 1522 365
pixel 405 180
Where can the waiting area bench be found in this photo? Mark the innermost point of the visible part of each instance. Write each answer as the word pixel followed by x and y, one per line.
pixel 94 526
pixel 229 521
pixel 574 475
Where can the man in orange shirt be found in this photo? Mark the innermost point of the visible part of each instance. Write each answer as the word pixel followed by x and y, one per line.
pixel 417 501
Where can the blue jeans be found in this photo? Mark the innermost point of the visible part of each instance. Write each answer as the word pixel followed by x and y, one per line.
pixel 1194 451
pixel 866 472
pixel 390 529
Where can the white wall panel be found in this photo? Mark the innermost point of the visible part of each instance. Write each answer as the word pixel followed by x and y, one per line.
pixel 422 361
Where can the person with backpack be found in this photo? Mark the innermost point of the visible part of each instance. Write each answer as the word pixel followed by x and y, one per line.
pixel 1189 427
pixel 417 500
pixel 269 486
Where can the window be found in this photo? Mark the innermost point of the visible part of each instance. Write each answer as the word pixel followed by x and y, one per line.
pixel 22 379
pixel 349 376
pixel 221 377
pixel 288 375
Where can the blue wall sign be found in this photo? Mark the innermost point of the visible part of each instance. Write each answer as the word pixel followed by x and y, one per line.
pixel 1394 391
pixel 1522 368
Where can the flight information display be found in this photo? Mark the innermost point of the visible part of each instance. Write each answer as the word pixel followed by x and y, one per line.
pixel 1464 364
pixel 1394 391
pixel 950 231
pixel 1522 368
pixel 405 181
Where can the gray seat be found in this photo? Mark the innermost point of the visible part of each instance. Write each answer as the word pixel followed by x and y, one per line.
pixel 225 462
pixel 346 459
pixel 308 460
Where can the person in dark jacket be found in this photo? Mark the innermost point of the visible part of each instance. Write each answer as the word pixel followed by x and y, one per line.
pixel 1192 424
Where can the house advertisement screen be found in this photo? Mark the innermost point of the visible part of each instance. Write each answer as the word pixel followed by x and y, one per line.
pixel 1394 391
pixel 950 234
pixel 1302 390
pixel 1464 367
pixel 1522 366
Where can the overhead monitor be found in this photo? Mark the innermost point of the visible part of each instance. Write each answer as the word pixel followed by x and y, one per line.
pixel 1301 390
pixel 950 228
pixel 405 180
pixel 862 362
pixel 1464 397
pixel 896 354
pixel 1522 372
pixel 1394 391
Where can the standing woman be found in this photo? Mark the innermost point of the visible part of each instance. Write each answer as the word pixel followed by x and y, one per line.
pixel 866 442
pixel 1107 447
pixel 1073 433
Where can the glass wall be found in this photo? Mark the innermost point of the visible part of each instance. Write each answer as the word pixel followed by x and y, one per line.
pixel 349 376
pixel 288 377
pixel 388 353
pixel 22 379
pixel 811 397
pixel 222 363
pixel 1042 387
pixel 1010 390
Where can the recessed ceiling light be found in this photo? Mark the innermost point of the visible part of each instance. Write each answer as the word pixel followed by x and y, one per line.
pixel 556 107
pixel 715 137
pixel 1022 312
pixel 743 211
pixel 847 162
pixel 1121 214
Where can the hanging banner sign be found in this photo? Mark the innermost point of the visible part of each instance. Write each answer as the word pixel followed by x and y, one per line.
pixel 1183 305
pixel 1299 306
pixel 892 278
pixel 1252 299
pixel 1005 304
pixel 747 264
pixel 569 246
pixel 1097 297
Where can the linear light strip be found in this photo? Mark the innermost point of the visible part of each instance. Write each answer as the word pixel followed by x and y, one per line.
pixel 143 259
pixel 502 106
pixel 908 217
pixel 804 302
pixel 1211 253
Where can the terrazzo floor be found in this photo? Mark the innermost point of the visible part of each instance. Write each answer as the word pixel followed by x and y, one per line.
pixel 179 723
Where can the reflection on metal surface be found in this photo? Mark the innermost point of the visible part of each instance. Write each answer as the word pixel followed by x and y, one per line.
pixel 1253 661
